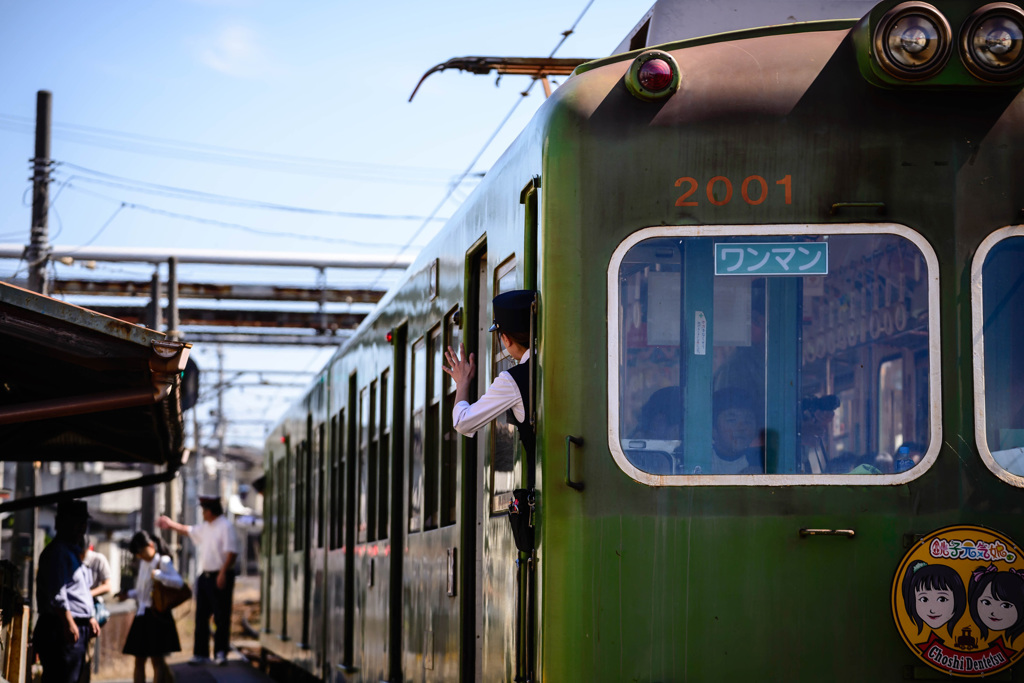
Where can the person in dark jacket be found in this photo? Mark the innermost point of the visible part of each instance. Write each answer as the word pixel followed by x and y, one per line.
pixel 63 597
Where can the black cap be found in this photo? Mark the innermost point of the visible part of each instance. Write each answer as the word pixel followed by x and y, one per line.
pixel 512 311
pixel 73 509
pixel 212 503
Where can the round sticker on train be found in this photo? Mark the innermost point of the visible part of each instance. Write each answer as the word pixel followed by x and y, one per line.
pixel 958 601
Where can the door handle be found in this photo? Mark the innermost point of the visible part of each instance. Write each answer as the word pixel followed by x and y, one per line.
pixel 849 533
pixel 569 441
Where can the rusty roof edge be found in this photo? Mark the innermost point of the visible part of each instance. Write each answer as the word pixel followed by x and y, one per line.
pixel 76 315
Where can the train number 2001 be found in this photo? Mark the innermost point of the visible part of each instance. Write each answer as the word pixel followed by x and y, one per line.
pixel 753 189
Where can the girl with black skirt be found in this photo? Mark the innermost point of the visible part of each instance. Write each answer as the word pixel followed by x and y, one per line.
pixel 153 634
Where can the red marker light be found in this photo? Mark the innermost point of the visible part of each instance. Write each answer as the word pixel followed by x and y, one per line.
pixel 283 439
pixel 655 75
pixel 389 337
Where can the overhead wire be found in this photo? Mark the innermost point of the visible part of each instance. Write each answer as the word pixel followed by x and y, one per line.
pixel 120 182
pixel 234 226
pixel 163 147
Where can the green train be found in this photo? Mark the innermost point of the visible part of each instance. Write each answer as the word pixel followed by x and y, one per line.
pixel 778 387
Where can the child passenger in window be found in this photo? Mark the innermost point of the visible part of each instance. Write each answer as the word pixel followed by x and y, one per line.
pixel 733 431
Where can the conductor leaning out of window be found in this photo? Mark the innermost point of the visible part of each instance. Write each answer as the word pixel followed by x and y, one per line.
pixel 512 324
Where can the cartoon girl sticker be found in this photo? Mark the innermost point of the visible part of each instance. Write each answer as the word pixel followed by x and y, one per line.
pixel 996 600
pixel 934 594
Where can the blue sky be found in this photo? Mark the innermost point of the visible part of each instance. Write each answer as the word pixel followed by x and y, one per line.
pixel 301 104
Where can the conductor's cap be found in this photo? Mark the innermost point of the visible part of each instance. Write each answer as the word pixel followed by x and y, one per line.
pixel 73 509
pixel 512 311
pixel 209 502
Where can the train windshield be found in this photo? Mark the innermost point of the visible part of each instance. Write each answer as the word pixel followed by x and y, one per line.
pixel 1000 415
pixel 784 354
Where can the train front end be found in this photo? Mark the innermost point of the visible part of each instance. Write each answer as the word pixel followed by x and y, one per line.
pixel 782 299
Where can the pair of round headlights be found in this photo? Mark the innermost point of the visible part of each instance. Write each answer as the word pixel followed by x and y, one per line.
pixel 913 41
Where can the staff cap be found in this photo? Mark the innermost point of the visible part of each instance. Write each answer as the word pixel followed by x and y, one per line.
pixel 512 311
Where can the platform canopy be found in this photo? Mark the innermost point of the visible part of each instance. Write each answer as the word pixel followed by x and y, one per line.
pixel 79 386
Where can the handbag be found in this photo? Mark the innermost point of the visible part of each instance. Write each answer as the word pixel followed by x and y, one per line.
pixel 166 598
pixel 101 612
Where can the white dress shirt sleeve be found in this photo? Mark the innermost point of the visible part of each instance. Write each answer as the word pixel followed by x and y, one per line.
pixel 166 574
pixel 500 396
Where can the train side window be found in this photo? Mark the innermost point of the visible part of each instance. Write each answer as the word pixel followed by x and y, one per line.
pixel 433 426
pixel 504 438
pixel 416 434
pixel 373 461
pixel 323 467
pixel 337 493
pixel 269 510
pixel 704 327
pixel 363 463
pixel 383 473
pixel 449 437
pixel 282 488
pixel 998 318
pixel 295 495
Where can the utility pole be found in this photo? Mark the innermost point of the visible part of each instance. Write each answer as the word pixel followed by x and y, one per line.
pixel 37 254
pixel 173 333
pixel 222 425
pixel 147 515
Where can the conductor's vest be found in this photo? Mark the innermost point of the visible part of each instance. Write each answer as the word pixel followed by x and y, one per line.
pixel 521 374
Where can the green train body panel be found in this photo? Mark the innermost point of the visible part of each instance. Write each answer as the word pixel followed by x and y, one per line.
pixel 664 579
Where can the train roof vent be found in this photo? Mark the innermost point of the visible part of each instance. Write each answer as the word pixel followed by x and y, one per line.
pixel 671 20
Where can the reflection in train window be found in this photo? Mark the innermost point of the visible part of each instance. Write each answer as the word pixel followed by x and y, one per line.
pixel 363 464
pixel 435 354
pixel 322 474
pixel 373 461
pixel 416 435
pixel 1002 309
pixel 449 437
pixel 781 354
pixel 337 482
pixel 281 494
pixel 383 475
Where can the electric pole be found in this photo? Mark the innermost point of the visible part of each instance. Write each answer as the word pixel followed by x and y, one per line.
pixel 147 514
pixel 37 254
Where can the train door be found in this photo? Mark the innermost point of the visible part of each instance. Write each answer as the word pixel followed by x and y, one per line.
pixel 306 515
pixel 335 579
pixel 348 664
pixel 318 604
pixel 278 550
pixel 787 380
pixel 298 551
pixel 497 474
pixel 375 580
pixel 371 580
pixel 396 519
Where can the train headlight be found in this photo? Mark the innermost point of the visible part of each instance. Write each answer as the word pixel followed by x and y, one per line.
pixel 653 76
pixel 992 42
pixel 912 41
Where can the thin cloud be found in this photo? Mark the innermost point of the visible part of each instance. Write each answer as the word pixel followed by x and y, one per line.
pixel 236 51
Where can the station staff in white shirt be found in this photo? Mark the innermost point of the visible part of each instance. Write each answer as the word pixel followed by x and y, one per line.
pixel 512 323
pixel 217 545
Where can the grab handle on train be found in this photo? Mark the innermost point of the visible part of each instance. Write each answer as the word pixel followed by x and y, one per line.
pixel 569 441
pixel 849 533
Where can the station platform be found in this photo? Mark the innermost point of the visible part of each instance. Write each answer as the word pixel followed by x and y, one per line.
pixel 238 670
